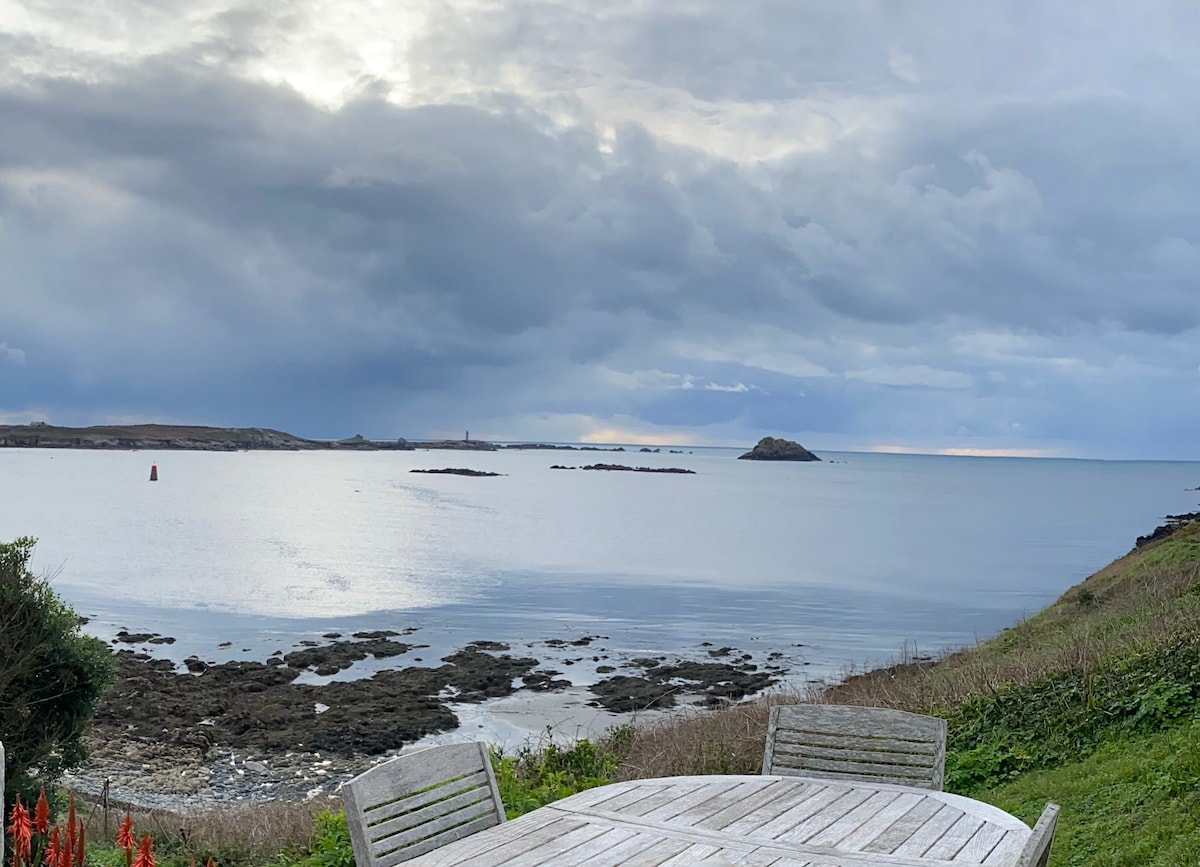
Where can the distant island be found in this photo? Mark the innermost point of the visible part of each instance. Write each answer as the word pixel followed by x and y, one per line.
pixel 202 438
pixel 772 449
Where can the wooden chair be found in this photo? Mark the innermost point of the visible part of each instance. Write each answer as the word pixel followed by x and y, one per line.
pixel 856 743
pixel 415 803
pixel 1037 848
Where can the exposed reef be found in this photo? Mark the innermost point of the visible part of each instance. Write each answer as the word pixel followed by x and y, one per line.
pixel 458 471
pixel 623 468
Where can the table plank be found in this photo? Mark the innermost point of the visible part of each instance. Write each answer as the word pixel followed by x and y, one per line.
pixel 956 838
pixel 759 799
pixel 931 832
pixel 1007 851
pixel 904 827
pixel 787 811
pixel 863 815
pixel 982 843
pixel 826 817
pixel 857 840
pixel 512 841
pixel 690 806
pixel 759 821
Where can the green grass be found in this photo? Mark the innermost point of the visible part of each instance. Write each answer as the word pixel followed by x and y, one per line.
pixel 1132 802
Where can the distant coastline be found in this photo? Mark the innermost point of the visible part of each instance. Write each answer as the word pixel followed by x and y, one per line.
pixel 203 438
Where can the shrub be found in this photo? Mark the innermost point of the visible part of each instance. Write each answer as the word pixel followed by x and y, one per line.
pixel 50 676
pixel 330 844
pixel 537 774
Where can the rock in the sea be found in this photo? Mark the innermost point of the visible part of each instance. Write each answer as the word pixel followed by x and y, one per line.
pixel 772 449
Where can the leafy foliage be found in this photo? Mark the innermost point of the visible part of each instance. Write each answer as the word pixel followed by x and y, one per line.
pixel 50 676
pixel 330 845
pixel 1060 717
pixel 538 774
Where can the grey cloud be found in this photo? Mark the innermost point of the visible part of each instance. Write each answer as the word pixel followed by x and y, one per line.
pixel 481 239
pixel 11 354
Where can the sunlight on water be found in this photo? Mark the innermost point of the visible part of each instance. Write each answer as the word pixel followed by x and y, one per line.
pixel 862 552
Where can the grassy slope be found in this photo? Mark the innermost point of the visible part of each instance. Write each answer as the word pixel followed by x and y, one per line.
pixel 1093 703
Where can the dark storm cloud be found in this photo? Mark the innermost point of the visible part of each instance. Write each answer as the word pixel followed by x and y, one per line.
pixel 899 222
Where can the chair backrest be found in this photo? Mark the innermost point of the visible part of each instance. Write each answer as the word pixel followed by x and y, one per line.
pixel 857 743
pixel 1037 848
pixel 415 803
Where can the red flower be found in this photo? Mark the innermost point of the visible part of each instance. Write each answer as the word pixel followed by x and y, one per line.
pixel 79 848
pixel 68 844
pixel 125 834
pixel 21 830
pixel 145 854
pixel 51 858
pixel 41 813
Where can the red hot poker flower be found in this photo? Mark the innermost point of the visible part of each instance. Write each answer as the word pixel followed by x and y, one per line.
pixel 41 813
pixel 21 830
pixel 51 859
pixel 69 845
pixel 145 854
pixel 80 851
pixel 125 834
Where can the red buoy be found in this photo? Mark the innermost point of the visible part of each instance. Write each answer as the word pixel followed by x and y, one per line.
pixel 154 472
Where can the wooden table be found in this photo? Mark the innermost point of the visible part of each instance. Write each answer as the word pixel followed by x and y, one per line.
pixel 752 820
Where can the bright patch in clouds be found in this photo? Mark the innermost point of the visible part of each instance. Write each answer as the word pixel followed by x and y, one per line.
pixel 664 223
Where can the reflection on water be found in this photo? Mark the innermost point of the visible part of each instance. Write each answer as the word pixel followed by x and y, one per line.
pixel 851 559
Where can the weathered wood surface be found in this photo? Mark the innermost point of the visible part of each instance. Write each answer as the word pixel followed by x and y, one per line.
pixel 1037 848
pixel 770 820
pixel 419 802
pixel 868 744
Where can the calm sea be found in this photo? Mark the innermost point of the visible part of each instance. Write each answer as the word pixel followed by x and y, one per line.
pixel 837 563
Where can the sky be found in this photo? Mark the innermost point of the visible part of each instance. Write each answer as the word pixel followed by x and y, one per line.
pixel 913 226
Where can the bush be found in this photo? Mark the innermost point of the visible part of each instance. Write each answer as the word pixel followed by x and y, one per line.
pixel 539 774
pixel 50 677
pixel 330 844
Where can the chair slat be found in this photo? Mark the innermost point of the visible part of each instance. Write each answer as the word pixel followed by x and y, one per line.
pixel 802 751
pixel 865 742
pixel 420 801
pixel 428 797
pixel 456 810
pixel 429 844
pixel 860 743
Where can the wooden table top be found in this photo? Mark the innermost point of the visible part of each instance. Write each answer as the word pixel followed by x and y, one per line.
pixel 751 820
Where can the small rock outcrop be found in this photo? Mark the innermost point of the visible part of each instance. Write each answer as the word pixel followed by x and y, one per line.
pixel 458 471
pixel 623 468
pixel 772 449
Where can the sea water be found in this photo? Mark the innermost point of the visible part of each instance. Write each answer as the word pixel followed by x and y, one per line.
pixel 833 564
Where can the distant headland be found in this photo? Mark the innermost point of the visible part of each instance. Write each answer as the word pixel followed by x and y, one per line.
pixel 202 438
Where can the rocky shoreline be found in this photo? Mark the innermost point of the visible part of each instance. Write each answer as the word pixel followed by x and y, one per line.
pixel 164 437
pixel 183 736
